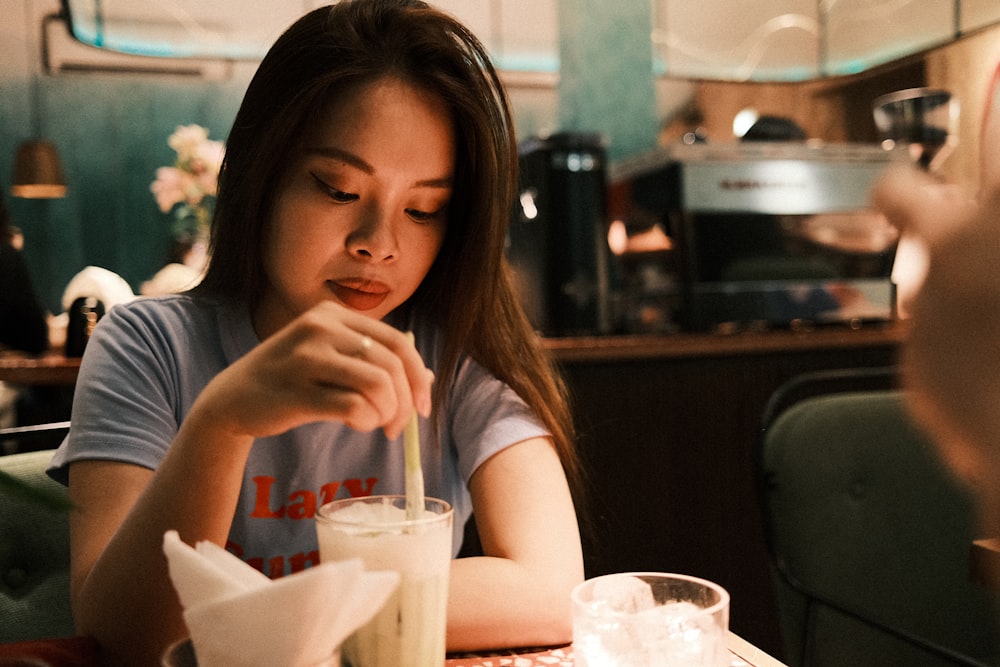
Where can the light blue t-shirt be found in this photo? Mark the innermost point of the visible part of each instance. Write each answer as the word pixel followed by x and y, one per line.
pixel 148 361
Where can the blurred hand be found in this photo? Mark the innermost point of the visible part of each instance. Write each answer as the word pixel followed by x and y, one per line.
pixel 951 362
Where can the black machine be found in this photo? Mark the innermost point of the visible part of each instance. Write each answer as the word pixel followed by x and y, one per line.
pixel 558 239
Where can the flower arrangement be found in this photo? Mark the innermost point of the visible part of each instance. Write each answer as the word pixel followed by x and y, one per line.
pixel 189 187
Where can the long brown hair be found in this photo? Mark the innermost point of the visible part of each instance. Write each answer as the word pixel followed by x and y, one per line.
pixel 469 290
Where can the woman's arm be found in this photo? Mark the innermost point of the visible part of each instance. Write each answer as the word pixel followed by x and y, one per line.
pixel 950 363
pixel 121 591
pixel 518 594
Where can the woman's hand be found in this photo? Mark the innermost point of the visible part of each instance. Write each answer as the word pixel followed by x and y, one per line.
pixel 328 364
pixel 951 361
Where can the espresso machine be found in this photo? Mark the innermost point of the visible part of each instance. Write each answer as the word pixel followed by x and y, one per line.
pixel 766 235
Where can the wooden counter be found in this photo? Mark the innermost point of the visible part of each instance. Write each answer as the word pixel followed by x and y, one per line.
pixel 55 369
pixel 692 345
pixel 47 370
pixel 669 429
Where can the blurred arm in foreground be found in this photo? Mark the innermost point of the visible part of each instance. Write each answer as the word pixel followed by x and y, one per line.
pixel 951 362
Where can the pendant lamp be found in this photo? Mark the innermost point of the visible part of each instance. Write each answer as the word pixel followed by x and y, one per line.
pixel 38 172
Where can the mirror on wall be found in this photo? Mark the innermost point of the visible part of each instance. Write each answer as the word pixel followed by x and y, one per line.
pixel 731 40
pixel 791 40
pixel 182 28
pixel 244 29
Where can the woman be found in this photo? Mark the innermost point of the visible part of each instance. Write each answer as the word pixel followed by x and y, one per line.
pixel 365 192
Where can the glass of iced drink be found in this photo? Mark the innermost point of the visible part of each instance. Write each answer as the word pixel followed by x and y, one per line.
pixel 409 631
pixel 647 619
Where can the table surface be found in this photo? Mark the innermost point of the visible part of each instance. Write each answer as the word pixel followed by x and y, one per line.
pixel 83 652
pixel 744 654
pixel 984 562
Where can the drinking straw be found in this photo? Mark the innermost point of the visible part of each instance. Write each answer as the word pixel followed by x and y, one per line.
pixel 414 473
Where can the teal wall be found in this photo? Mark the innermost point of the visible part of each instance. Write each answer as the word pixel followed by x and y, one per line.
pixel 606 72
pixel 111 132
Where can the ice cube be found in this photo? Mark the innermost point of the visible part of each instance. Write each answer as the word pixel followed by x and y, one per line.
pixel 626 595
pixel 678 611
pixel 683 634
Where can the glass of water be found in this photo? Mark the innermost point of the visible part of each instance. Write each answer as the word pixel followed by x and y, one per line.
pixel 650 619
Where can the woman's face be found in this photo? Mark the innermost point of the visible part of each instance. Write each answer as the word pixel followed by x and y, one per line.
pixel 362 213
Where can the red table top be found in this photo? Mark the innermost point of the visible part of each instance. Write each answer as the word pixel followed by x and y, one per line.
pixel 83 652
pixel 744 654
pixel 553 657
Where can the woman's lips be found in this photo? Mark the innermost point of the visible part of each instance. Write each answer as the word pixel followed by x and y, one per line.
pixel 360 294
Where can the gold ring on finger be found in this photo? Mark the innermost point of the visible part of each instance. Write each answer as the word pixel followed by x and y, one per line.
pixel 366 345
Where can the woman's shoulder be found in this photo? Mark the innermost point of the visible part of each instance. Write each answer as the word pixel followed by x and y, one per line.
pixel 179 331
pixel 176 312
pixel 168 305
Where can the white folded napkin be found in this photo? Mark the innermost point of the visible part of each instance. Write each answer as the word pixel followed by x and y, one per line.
pixel 237 616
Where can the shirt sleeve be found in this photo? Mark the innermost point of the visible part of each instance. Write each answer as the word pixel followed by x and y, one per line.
pixel 125 405
pixel 487 417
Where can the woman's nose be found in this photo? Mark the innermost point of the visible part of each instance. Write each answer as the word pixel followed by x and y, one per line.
pixel 374 238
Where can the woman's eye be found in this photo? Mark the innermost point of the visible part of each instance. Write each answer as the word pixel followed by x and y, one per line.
pixel 342 197
pixel 419 216
pixel 337 195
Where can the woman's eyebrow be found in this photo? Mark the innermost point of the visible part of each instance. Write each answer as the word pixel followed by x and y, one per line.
pixel 342 155
pixel 446 182
pixel 360 164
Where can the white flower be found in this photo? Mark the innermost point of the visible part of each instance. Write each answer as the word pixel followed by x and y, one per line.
pixel 206 164
pixel 186 140
pixel 194 175
pixel 169 187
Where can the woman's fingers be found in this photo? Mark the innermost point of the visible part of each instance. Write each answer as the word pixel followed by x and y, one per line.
pixel 921 205
pixel 418 377
pixel 367 373
pixel 379 376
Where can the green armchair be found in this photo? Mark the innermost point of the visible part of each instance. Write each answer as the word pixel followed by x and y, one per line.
pixel 34 553
pixel 869 534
